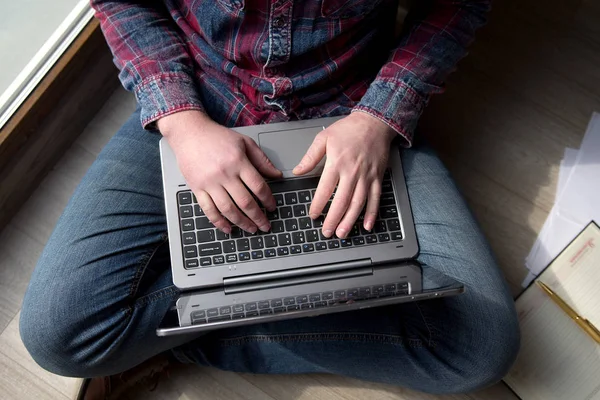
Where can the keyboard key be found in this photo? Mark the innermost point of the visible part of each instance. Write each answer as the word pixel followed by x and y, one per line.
pixel 363 231
pixel 270 241
pixel 257 243
pixel 387 199
pixel 314 297
pixel 257 254
pixel 229 246
pixel 210 249
pixel 220 318
pixel 291 225
pixel 225 310
pixel 250 234
pixel 396 236
pixel 318 222
pixel 238 316
pixel 321 246
pixel 198 211
pixel 276 303
pixel 380 226
pixel 327 206
pixel 206 236
pixel 388 212
pixel 393 225
pixel 277 227
pixel 222 235
pixel 244 256
pixel 339 294
pixel 320 304
pixel 187 225
pixel 193 263
pixel 205 262
pixel 295 249
pixel 289 301
pixel 357 241
pixel 278 200
pixel 231 258
pixel 251 314
pixel 390 287
pixel 402 285
pixel 384 237
pixel 238 308
pixel 270 253
pixel 364 291
pixel 293 308
pixel 213 312
pixel 243 244
pixel 285 212
pixel 308 247
pixel 355 231
pixel 299 210
pixel 250 306
pixel 312 235
pixel 184 198
pixel 304 196
pixel 291 198
pixel 266 312
pixel 378 289
pixel 346 242
pixel 190 252
pixel 279 310
pixel 301 299
pixel 306 306
pixel 198 314
pixel 236 232
pixel 386 186
pixel 203 223
pixel 263 304
pixel 352 293
pixel 285 239
pixel 283 251
pixel 271 215
pixel 186 212
pixel 371 239
pixel 188 238
pixel 218 260
pixel 327 295
pixel 298 237
pixel 333 244
pixel 312 193
pixel 387 175
pixel 305 223
pixel 332 302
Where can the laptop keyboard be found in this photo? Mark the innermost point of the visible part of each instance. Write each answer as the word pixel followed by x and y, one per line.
pixel 292 231
pixel 295 303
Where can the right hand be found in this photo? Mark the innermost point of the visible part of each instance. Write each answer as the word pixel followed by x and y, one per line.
pixel 216 163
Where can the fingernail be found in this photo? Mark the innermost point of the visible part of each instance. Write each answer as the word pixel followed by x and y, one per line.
pixel 327 233
pixel 369 225
pixel 251 229
pixel 226 230
pixel 313 216
pixel 341 233
pixel 272 208
pixel 265 228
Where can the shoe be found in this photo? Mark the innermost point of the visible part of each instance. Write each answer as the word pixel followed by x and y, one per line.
pixel 113 387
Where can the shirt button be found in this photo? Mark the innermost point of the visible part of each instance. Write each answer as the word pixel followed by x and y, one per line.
pixel 278 22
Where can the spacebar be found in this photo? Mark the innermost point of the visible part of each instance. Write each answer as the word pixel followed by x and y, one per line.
pixel 219 319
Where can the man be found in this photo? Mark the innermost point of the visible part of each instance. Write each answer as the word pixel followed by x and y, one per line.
pixel 197 68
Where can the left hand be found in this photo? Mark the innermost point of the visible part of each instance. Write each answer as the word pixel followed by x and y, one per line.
pixel 357 148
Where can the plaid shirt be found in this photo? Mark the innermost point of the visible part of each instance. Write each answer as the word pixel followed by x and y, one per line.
pixel 246 62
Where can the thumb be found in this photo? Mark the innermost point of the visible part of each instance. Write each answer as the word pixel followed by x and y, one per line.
pixel 260 160
pixel 313 156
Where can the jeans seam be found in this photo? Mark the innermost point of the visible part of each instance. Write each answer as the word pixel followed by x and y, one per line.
pixel 431 342
pixel 157 295
pixel 331 336
pixel 142 265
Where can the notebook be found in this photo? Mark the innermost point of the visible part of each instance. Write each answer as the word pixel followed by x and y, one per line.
pixel 558 359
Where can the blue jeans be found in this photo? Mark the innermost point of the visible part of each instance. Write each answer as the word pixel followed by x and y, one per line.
pixel 103 284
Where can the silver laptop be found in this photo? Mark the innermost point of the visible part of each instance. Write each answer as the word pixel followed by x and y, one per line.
pixel 293 270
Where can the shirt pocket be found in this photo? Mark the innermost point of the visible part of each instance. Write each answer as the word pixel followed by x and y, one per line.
pixel 347 8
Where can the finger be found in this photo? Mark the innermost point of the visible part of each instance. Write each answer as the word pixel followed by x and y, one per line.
pixel 357 203
pixel 339 206
pixel 212 212
pixel 230 211
pixel 313 156
pixel 247 204
pixel 257 185
pixel 325 188
pixel 372 205
pixel 260 160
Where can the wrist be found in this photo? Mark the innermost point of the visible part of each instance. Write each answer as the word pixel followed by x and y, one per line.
pixel 182 121
pixel 381 127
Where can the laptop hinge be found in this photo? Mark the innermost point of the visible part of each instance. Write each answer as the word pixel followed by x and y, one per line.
pixel 344 268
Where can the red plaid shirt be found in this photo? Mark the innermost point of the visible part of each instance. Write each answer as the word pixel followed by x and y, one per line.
pixel 247 62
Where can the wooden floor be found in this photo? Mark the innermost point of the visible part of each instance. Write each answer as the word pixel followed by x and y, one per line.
pixel 525 93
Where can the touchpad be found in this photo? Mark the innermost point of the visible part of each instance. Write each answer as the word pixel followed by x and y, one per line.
pixel 286 148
